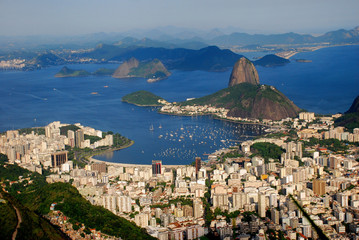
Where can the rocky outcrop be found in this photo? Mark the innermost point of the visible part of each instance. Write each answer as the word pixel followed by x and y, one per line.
pixel 243 72
pixel 266 103
pixel 247 100
pixel 154 70
pixel 354 107
pixel 125 68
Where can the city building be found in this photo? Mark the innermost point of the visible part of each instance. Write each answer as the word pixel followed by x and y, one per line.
pixel 58 158
pixel 156 167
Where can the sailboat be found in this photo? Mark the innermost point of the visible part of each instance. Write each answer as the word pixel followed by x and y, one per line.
pixel 151 128
pixel 160 126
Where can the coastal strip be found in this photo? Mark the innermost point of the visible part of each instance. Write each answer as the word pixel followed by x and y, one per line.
pixel 93 160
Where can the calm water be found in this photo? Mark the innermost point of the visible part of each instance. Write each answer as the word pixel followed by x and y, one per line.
pixel 326 85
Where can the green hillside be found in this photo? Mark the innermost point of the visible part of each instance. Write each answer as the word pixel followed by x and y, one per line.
pixel 250 101
pixel 32 226
pixel 36 198
pixel 67 72
pixel 104 72
pixel 142 98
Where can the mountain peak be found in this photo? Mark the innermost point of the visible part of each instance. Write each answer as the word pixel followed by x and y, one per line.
pixel 243 71
pixel 354 107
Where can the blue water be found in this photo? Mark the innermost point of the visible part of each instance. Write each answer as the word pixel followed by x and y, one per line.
pixel 326 85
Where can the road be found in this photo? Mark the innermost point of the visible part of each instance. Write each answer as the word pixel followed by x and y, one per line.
pixel 19 220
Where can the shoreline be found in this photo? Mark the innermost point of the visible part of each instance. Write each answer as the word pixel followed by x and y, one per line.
pixel 91 159
pixel 214 116
pixel 289 54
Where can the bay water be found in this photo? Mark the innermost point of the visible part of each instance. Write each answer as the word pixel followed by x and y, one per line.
pixel 327 85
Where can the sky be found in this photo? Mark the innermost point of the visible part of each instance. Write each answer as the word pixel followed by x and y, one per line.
pixel 74 17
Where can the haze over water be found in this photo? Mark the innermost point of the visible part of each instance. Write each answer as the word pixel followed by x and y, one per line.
pixel 326 85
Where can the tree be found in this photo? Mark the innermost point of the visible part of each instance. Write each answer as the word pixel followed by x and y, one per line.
pixel 3 158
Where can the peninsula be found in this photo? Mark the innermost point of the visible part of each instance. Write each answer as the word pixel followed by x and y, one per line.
pixel 144 98
pixel 244 99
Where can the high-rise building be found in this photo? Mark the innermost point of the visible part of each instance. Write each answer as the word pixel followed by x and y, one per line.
pixel 220 200
pixel 273 202
pixel 58 158
pixel 79 137
pixel 141 220
pixel 261 205
pixel 197 208
pixel 239 199
pixel 343 199
pixel 187 211
pixel 198 164
pixel 156 167
pixel 275 215
pixel 124 203
pixel 319 187
pixel 100 167
pixel 71 137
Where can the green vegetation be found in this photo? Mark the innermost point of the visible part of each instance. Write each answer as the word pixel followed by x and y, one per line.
pixel 64 129
pixel 249 100
pixel 238 92
pixel 10 172
pixel 291 134
pixel 8 219
pixel 331 144
pixel 271 60
pixel 233 154
pixel 3 158
pixel 151 69
pixel 67 72
pixel 267 150
pixel 70 202
pixel 38 196
pixel 32 226
pixel 142 98
pixel 182 200
pixel 37 130
pixel 319 231
pixel 80 155
pixel 349 120
pixel 104 72
pixel 93 139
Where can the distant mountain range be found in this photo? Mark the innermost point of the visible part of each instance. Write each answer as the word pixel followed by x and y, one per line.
pixel 172 37
pixel 208 59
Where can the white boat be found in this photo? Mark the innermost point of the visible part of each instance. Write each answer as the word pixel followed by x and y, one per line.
pixel 151 128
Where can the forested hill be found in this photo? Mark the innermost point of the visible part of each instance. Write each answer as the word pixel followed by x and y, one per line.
pixel 37 197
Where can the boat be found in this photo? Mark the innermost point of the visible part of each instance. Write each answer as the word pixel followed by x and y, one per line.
pixel 160 126
pixel 151 128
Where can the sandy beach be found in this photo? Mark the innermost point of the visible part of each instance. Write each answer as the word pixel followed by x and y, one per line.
pixel 93 160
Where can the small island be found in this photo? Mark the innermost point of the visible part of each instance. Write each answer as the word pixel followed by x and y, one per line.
pixel 153 70
pixel 143 99
pixel 303 60
pixel 271 60
pixel 67 72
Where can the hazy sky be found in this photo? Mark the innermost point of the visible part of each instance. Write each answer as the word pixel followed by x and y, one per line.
pixel 69 17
